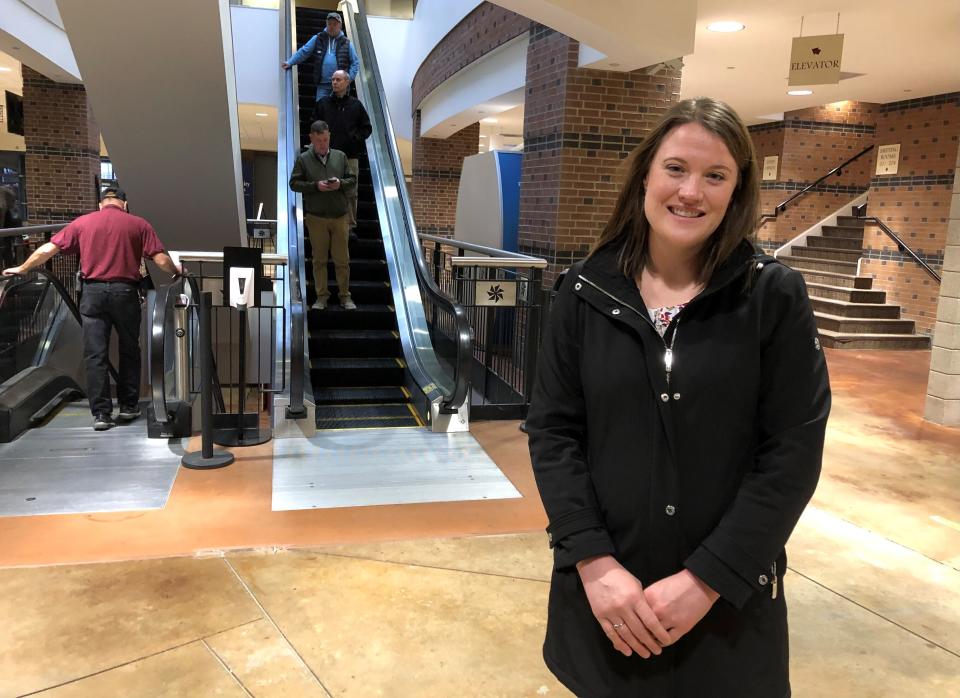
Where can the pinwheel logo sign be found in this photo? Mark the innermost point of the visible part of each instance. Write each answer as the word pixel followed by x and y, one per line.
pixel 496 293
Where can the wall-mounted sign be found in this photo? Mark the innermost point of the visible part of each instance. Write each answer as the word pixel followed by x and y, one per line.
pixel 498 293
pixel 888 159
pixel 770 167
pixel 815 60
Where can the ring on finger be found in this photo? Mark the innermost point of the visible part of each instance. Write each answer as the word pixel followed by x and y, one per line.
pixel 617 626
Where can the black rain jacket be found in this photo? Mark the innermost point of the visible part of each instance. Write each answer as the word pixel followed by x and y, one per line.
pixel 706 466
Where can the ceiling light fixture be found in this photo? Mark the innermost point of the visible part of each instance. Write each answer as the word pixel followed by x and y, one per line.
pixel 800 93
pixel 5 69
pixel 725 27
pixel 482 136
pixel 489 120
pixel 262 113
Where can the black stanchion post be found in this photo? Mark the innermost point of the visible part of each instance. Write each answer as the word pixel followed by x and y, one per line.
pixel 207 457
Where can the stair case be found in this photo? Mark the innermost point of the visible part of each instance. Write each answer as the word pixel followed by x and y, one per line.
pixel 850 313
pixel 357 367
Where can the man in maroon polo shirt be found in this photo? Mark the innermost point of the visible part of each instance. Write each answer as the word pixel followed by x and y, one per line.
pixel 111 242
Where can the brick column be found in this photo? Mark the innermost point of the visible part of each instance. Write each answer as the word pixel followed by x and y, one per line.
pixel 579 126
pixel 62 150
pixel 437 164
pixel 943 389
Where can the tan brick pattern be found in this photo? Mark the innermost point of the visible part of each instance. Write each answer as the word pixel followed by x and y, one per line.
pixel 437 164
pixel 62 150
pixel 915 202
pixel 810 142
pixel 579 126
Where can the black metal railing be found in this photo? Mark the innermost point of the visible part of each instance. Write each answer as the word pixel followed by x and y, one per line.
pixel 503 296
pixel 838 171
pixel 902 247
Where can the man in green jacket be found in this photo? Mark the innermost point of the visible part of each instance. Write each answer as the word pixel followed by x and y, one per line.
pixel 322 175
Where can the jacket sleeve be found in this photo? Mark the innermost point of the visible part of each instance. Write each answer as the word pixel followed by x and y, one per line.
pixel 737 558
pixel 304 52
pixel 299 180
pixel 354 63
pixel 557 428
pixel 363 127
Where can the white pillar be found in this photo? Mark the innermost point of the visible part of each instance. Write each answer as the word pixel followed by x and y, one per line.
pixel 943 388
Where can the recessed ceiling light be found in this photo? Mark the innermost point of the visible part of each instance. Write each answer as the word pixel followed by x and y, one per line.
pixel 725 27
pixel 5 69
pixel 489 120
pixel 262 113
pixel 482 136
pixel 800 93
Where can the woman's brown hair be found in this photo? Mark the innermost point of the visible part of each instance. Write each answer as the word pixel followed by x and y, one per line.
pixel 629 224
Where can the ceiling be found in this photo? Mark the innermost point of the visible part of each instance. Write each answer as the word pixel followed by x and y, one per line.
pixel 896 50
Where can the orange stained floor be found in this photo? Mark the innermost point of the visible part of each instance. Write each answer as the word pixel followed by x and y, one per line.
pixel 230 508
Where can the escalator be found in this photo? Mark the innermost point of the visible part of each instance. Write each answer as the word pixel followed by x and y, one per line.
pixel 39 365
pixel 400 358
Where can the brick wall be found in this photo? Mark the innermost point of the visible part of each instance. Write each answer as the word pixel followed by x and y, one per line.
pixel 579 126
pixel 481 31
pixel 62 150
pixel 437 164
pixel 915 202
pixel 812 142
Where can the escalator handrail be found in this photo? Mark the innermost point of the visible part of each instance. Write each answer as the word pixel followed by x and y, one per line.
pixel 464 334
pixel 289 209
pixel 166 297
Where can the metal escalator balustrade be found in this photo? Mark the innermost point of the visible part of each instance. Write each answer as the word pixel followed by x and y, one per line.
pixel 437 372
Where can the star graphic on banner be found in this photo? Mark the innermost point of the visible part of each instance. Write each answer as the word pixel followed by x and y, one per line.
pixel 495 294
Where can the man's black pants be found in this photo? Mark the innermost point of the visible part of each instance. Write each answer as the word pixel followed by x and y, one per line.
pixel 104 307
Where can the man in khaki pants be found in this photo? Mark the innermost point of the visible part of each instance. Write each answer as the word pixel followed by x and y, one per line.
pixel 322 175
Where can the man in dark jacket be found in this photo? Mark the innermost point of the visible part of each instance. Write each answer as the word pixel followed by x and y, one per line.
pixel 331 50
pixel 321 174
pixel 349 128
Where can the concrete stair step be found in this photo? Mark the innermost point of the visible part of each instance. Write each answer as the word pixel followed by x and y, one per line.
pixel 830 253
pixel 844 293
pixel 827 265
pixel 841 340
pixel 848 325
pixel 842 231
pixel 847 309
pixel 836 243
pixel 830 278
pixel 850 221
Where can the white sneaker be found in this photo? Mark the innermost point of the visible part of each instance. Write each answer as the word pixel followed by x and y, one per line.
pixel 349 305
pixel 319 305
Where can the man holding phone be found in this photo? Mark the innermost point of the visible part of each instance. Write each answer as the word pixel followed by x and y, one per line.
pixel 324 178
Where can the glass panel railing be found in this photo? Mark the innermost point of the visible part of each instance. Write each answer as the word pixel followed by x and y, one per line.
pixel 435 331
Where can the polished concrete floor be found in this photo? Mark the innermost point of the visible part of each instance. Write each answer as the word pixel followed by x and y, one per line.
pixel 218 595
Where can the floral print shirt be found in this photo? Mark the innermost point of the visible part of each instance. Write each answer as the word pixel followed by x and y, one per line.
pixel 661 317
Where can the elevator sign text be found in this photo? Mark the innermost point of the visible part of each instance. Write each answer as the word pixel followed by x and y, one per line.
pixel 815 60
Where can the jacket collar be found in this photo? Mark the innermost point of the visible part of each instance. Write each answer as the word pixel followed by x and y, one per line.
pixel 603 269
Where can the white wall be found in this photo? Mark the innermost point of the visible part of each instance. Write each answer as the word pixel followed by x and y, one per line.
pixel 256 45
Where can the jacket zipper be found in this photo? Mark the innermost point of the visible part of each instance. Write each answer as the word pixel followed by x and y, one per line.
pixel 667 348
pixel 773 584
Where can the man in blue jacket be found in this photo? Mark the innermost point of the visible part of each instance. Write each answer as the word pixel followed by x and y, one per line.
pixel 331 51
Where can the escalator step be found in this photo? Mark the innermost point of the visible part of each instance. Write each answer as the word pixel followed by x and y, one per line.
pixel 365 317
pixel 365 416
pixel 340 372
pixel 363 292
pixel 362 396
pixel 358 343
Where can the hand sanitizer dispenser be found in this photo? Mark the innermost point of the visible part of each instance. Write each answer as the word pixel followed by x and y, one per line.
pixel 241 287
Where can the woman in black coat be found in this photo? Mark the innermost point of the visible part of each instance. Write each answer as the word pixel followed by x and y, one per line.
pixel 676 430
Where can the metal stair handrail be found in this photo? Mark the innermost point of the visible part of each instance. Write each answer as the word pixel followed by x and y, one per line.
pixel 902 247
pixel 838 170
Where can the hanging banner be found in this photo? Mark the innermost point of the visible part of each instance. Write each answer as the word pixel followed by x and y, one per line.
pixel 815 60
pixel 770 167
pixel 502 293
pixel 888 159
